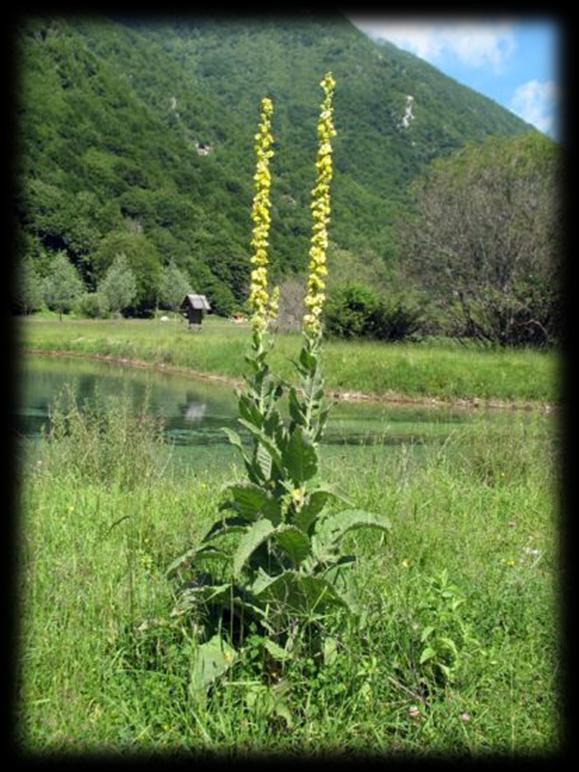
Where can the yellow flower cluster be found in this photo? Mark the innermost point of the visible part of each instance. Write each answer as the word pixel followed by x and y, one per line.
pixel 320 205
pixel 259 300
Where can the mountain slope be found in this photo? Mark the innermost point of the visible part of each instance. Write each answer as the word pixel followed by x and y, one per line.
pixel 147 128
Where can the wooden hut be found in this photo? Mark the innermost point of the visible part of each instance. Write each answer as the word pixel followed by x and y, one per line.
pixel 193 307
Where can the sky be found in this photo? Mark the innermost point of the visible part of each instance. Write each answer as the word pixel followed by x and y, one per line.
pixel 514 61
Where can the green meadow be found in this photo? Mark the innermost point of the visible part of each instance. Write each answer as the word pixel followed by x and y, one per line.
pixel 104 667
pixel 442 370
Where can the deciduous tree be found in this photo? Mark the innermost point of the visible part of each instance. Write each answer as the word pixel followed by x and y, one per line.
pixel 484 240
pixel 119 286
pixel 63 285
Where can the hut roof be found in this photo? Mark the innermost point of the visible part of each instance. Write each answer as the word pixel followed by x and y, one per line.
pixel 196 301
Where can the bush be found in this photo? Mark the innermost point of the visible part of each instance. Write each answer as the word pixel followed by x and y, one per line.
pixel 356 310
pixel 93 305
pixel 395 318
pixel 349 309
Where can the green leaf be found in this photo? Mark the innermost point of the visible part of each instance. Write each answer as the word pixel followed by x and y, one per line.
pixel 332 528
pixel 226 526
pixel 293 542
pixel 448 671
pixel 276 651
pixel 315 502
pixel 330 650
pixel 307 360
pixel 233 438
pixel 194 555
pixel 193 597
pixel 300 457
pixel 333 570
pixel 263 461
pixel 427 654
pixel 273 424
pixel 281 709
pixel 296 409
pixel 298 593
pixel 322 422
pixel 251 500
pixel 426 632
pixel 249 410
pixel 262 580
pixel 450 644
pixel 182 561
pixel 210 661
pixel 251 540
pixel 264 439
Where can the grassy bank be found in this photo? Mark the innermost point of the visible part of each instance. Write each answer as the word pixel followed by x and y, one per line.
pixel 447 372
pixel 105 668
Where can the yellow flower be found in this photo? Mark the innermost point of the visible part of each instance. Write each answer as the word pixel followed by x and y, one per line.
pixel 258 295
pixel 320 207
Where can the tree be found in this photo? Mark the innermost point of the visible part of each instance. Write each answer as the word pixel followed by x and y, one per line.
pixel 63 285
pixel 484 240
pixel 29 295
pixel 173 287
pixel 119 287
pixel 142 258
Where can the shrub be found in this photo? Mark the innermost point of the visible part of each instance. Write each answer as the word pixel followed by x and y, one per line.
pixel 396 317
pixel 356 310
pixel 349 309
pixel 93 305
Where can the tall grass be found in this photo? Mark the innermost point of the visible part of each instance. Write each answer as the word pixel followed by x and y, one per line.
pixel 104 667
pixel 444 371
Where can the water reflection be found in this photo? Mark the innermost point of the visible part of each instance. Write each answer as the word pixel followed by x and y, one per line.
pixel 194 411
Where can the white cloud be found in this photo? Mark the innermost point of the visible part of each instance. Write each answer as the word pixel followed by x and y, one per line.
pixel 537 103
pixel 474 44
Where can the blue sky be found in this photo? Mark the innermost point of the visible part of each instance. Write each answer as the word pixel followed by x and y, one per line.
pixel 514 61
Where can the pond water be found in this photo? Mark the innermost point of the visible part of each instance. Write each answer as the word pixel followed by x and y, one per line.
pixel 194 410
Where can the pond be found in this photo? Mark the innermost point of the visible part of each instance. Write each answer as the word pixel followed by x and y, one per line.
pixel 194 410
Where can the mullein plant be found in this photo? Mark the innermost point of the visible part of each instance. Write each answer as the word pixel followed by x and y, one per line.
pixel 273 568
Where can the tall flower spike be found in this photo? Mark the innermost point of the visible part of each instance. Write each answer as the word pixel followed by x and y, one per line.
pixel 314 300
pixel 258 294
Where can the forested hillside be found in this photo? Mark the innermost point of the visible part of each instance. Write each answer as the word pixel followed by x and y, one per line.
pixel 136 138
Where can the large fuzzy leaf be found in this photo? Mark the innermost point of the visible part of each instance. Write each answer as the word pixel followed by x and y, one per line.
pixel 296 409
pixel 210 661
pixel 316 500
pixel 298 593
pixel 263 439
pixel 250 541
pixel 263 461
pixel 234 439
pixel 251 501
pixel 249 410
pixel 226 526
pixel 300 457
pixel 293 542
pixel 192 556
pixel 332 528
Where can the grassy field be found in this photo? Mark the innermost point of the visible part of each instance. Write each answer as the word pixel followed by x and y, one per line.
pixel 104 667
pixel 444 371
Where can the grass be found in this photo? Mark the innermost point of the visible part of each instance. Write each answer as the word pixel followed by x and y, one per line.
pixel 445 371
pixel 103 666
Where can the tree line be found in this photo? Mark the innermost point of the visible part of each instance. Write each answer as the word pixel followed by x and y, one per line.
pixel 478 258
